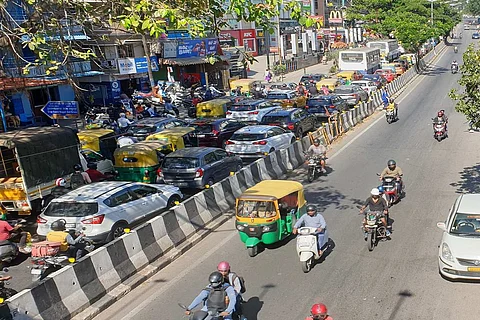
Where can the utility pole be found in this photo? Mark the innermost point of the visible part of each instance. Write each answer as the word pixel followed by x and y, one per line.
pixel 149 64
pixel 431 11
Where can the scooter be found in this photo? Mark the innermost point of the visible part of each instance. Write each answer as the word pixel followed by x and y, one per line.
pixel 454 68
pixel 8 248
pixel 439 130
pixel 390 115
pixel 203 315
pixel 307 247
pixel 390 189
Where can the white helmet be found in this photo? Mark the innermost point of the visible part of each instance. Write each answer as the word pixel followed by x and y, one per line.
pixel 60 182
pixel 375 192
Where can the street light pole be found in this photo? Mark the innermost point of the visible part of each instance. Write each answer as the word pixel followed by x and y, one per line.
pixel 431 12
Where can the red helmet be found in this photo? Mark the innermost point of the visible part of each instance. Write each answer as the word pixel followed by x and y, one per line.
pixel 223 266
pixel 319 309
pixel 440 113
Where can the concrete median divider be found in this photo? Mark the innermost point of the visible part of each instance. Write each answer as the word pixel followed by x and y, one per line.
pixel 84 289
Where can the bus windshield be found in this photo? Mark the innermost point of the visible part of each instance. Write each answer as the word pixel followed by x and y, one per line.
pixel 352 57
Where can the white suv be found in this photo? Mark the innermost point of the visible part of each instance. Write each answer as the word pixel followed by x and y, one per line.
pixel 251 111
pixel 103 210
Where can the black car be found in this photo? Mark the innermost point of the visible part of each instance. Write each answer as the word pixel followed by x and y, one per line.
pixel 215 132
pixel 314 78
pixel 145 127
pixel 377 79
pixel 323 106
pixel 198 166
pixel 296 120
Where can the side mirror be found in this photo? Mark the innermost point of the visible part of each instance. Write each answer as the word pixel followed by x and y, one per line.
pixel 442 226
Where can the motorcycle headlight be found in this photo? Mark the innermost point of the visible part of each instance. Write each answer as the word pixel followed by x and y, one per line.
pixel 240 227
pixel 446 253
pixel 311 161
pixel 266 228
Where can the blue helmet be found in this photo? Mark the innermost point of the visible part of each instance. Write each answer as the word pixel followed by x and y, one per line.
pixel 380 188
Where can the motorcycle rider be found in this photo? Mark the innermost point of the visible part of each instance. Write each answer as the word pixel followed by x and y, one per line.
pixel 318 149
pixel 313 219
pixel 123 122
pixel 375 204
pixel 385 97
pixel 382 193
pixel 232 279
pixel 319 312
pixel 392 170
pixel 79 178
pixel 454 64
pixel 94 174
pixel 58 234
pixel 441 118
pixel 212 300
pixel 455 49
pixel 392 106
pixel 312 89
pixel 8 233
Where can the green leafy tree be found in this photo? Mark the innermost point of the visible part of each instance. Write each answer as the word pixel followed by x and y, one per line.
pixel 468 100
pixel 473 7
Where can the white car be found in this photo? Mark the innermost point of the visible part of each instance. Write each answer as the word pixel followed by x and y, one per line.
pixel 368 86
pixel 459 252
pixel 257 141
pixel 104 209
pixel 249 110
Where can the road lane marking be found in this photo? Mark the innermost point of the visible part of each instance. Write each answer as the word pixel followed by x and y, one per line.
pixel 179 276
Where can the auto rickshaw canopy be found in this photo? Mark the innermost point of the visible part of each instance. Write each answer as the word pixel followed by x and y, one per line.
pixel 246 84
pixel 175 137
pixel 272 190
pixel 140 154
pixel 90 139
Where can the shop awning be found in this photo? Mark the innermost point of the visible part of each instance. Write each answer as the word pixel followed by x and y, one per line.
pixel 76 75
pixel 21 83
pixel 189 61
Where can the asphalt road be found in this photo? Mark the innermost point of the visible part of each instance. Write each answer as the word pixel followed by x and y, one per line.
pixel 399 279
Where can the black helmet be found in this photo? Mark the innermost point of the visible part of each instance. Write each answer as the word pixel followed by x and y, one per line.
pixel 316 141
pixel 391 163
pixel 77 167
pixel 311 207
pixel 58 225
pixel 215 279
pixel 92 165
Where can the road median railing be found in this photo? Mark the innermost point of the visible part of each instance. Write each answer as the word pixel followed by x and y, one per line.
pixel 86 288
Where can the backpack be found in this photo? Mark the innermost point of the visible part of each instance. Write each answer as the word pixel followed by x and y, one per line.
pixel 217 298
pixel 76 180
pixel 242 282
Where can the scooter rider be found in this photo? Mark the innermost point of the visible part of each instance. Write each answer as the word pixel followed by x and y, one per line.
pixel 313 219
pixel 441 118
pixel 59 234
pixel 375 204
pixel 232 279
pixel 319 312
pixel 392 105
pixel 318 149
pixel 213 297
pixel 392 170
pixel 455 64
pixel 7 233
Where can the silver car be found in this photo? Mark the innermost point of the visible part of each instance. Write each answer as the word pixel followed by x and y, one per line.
pixel 352 94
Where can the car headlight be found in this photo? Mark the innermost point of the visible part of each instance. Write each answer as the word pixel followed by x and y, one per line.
pixel 446 253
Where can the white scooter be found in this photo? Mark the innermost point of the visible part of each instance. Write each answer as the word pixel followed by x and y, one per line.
pixel 307 248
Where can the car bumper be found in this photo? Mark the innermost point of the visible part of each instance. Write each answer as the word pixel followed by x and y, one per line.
pixel 194 184
pixel 208 141
pixel 453 270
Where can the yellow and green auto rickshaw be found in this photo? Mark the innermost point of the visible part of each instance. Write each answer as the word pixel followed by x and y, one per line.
pixel 216 108
pixel 246 85
pixel 176 138
pixel 139 162
pixel 102 141
pixel 267 212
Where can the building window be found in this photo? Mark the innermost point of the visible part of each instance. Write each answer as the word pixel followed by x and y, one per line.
pixel 125 51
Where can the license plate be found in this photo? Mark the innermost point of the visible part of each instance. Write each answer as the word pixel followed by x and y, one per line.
pixel 252 229
pixel 70 225
pixel 36 271
pixel 474 269
pixel 201 136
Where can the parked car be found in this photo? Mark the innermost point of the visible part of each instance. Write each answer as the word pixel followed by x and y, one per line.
pixel 256 141
pixel 367 85
pixel 475 35
pixel 386 74
pixel 323 106
pixel 458 254
pixel 296 120
pixel 352 94
pixel 103 210
pixel 145 127
pixel 198 166
pixel 313 78
pixel 376 78
pixel 251 110
pixel 215 132
pixel 287 98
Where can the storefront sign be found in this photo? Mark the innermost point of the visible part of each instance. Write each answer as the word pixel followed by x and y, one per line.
pixel 141 64
pixel 335 17
pixel 126 66
pixel 197 48
pixel 116 89
pixel 169 49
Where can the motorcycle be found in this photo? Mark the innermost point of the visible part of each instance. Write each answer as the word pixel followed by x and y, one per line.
pixel 8 248
pixel 47 258
pixel 455 50
pixel 375 229
pixel 390 190
pixel 307 248
pixel 454 68
pixel 390 115
pixel 439 130
pixel 204 315
pixel 314 166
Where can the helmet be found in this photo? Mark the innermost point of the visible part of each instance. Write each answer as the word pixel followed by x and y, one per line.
pixel 122 115
pixel 77 167
pixel 316 141
pixel 60 182
pixel 391 163
pixel 92 165
pixel 58 225
pixel 311 207
pixel 319 309
pixel 440 113
pixel 215 279
pixel 375 192
pixel 380 189
pixel 223 266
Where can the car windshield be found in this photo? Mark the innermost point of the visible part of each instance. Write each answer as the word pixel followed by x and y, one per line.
pixel 466 224
pixel 277 96
pixel 138 129
pixel 243 107
pixel 71 209
pixel 275 119
pixel 180 163
pixel 319 102
pixel 247 136
pixel 202 127
pixel 256 209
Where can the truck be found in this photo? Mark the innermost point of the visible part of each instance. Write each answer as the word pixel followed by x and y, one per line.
pixel 31 161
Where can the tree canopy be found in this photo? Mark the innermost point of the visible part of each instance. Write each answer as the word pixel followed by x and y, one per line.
pixel 473 7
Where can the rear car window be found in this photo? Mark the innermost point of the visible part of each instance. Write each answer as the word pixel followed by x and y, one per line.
pixel 180 163
pixel 71 209
pixel 277 96
pixel 202 127
pixel 319 102
pixel 275 119
pixel 142 129
pixel 244 107
pixel 248 136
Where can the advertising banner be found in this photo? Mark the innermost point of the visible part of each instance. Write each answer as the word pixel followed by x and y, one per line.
pixel 197 48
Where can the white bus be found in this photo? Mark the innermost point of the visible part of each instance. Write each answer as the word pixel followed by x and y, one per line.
pixel 365 60
pixel 388 48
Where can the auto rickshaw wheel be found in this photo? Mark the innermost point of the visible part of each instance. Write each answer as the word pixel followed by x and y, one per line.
pixel 252 251
pixel 307 265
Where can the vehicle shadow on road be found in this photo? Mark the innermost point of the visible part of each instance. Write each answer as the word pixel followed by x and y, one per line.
pixel 435 71
pixel 324 197
pixel 469 180
pixel 252 307
pixel 18 260
pixel 327 251
pixel 403 295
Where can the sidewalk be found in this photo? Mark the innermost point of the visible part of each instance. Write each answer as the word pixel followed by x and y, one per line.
pixel 257 70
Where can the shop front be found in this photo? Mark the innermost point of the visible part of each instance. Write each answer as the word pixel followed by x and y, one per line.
pixel 247 38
